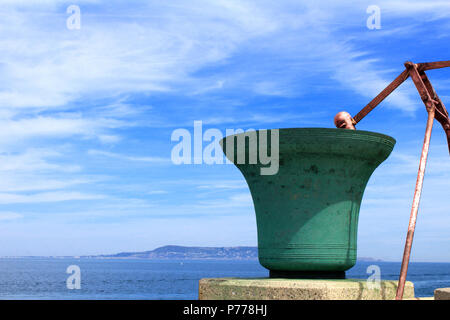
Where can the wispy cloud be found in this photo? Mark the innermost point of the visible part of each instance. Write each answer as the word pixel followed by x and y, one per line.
pixel 4 216
pixel 10 182
pixel 222 184
pixel 72 100
pixel 127 157
pixel 34 160
pixel 168 48
pixel 157 192
pixel 57 196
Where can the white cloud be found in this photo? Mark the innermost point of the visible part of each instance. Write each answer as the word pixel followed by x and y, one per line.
pixel 262 48
pixel 159 47
pixel 108 138
pixel 60 127
pixel 20 182
pixel 57 196
pixel 155 192
pixel 4 216
pixel 438 9
pixel 47 65
pixel 34 160
pixel 127 157
pixel 222 184
pixel 243 200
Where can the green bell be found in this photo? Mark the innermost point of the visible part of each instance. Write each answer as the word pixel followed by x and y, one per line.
pixel 307 210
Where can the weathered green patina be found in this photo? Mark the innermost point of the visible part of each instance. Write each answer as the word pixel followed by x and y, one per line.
pixel 307 213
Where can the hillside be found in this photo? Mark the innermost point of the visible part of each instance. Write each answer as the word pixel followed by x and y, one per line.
pixel 180 252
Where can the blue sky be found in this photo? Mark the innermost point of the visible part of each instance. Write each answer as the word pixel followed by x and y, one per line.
pixel 87 116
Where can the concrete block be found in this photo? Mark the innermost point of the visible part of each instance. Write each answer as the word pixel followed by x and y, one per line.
pixel 442 294
pixel 298 289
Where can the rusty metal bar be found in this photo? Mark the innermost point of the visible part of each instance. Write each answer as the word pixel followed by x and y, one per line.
pixel 441 114
pixel 395 84
pixel 415 207
pixel 433 65
pixel 436 110
pixel 430 105
pixel 418 82
pixel 381 96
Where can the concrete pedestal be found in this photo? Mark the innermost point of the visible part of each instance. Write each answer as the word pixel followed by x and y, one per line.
pixel 298 289
pixel 442 294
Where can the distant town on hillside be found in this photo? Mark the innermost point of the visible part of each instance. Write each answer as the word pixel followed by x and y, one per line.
pixel 182 252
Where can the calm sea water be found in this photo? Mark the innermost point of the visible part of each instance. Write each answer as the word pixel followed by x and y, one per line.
pixel 28 278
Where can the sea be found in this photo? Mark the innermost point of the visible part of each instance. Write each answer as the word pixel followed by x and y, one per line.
pixel 47 278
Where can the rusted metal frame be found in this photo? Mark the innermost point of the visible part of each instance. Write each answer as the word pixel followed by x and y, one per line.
pixel 433 65
pixel 430 105
pixel 415 207
pixel 425 95
pixel 381 96
pixel 440 107
pixel 436 110
pixel 441 114
pixel 395 84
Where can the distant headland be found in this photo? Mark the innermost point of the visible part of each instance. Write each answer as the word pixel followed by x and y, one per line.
pixel 182 252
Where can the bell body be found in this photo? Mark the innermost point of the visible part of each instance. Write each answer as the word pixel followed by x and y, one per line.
pixel 307 213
